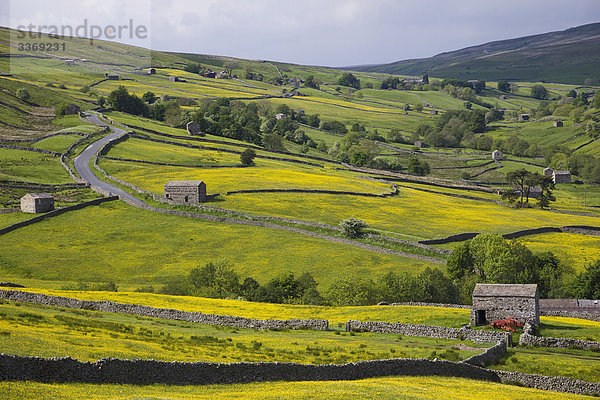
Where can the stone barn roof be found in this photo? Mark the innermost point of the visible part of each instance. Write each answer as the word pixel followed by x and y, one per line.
pixel 562 173
pixel 505 290
pixel 184 183
pixel 39 195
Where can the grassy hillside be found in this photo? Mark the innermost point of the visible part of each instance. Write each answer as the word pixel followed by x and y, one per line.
pixel 569 56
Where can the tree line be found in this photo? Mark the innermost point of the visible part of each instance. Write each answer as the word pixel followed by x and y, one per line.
pixel 488 258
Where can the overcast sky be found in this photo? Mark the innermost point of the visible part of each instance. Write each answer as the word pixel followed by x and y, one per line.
pixel 318 32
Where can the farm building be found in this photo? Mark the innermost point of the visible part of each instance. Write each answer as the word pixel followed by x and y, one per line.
pixel 69 62
pixel 548 171
pixel 492 302
pixel 152 71
pixel 558 124
pixel 193 128
pixel 72 109
pixel 496 155
pixel 524 117
pixel 279 116
pixel 209 74
pixel 433 112
pixel 112 77
pixel 37 203
pixel 173 78
pixel 186 191
pixel 561 177
pixel 419 144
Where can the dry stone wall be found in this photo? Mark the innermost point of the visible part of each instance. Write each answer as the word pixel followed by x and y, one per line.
pixel 421 304
pixel 571 314
pixel 42 186
pixel 174 165
pixel 191 146
pixel 38 139
pixel 563 343
pixel 553 383
pixel 15 368
pixel 319 191
pixel 164 313
pixel 490 356
pixel 442 332
pixel 138 372
pixel 43 151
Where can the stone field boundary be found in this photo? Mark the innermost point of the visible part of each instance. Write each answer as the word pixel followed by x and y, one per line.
pixel 19 368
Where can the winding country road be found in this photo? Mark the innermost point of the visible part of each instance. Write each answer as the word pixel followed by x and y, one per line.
pixel 82 162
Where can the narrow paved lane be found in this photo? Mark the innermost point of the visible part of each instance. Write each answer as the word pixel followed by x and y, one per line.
pixel 82 162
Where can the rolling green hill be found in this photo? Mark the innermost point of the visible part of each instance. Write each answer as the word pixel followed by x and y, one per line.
pixel 569 56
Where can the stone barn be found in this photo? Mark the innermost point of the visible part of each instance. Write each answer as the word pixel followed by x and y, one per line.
pixel 152 71
pixel 72 109
pixel 561 176
pixel 193 128
pixel 524 117
pixel 492 302
pixel 496 155
pixel 558 124
pixel 184 192
pixel 37 203
pixel 548 171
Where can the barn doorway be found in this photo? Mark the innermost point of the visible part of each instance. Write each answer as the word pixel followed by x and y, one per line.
pixel 186 199
pixel 480 317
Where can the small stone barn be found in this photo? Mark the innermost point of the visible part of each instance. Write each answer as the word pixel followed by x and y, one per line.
pixel 37 203
pixel 558 124
pixel 193 128
pixel 496 155
pixel 152 71
pixel 548 171
pixel 561 177
pixel 499 301
pixel 186 191
pixel 72 109
pixel 524 117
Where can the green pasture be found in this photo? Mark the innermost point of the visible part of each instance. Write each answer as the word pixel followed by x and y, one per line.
pixel 35 330
pixel 22 165
pixel 337 316
pixel 572 249
pixel 58 144
pixel 115 242
pixel 267 174
pixel 576 364
pixel 411 214
pixel 13 218
pixel 570 328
